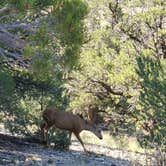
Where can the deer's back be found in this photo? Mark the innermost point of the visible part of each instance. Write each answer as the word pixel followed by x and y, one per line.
pixel 61 119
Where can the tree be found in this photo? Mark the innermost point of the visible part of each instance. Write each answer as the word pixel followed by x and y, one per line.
pixel 119 66
pixel 152 99
pixel 39 45
pixel 111 61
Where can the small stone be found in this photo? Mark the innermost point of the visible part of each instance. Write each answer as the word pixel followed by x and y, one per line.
pixel 15 161
pixel 50 161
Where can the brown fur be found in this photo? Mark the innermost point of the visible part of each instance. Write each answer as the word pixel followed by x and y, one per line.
pixel 66 121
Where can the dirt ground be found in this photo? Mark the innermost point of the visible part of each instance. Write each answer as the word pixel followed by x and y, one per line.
pixel 17 151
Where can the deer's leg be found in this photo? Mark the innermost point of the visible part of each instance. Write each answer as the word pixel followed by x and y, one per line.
pixel 45 133
pixel 43 130
pixel 42 126
pixel 79 138
pixel 70 136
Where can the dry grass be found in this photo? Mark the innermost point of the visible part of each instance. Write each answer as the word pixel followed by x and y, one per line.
pixel 125 143
pixel 126 148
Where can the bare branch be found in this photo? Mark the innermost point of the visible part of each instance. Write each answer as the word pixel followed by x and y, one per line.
pixel 108 88
pixel 6 8
pixel 22 25
pixel 11 41
pixel 14 58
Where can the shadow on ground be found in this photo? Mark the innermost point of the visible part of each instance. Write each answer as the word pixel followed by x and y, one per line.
pixel 25 152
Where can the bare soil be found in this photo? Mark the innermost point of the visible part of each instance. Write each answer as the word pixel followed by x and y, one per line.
pixel 18 151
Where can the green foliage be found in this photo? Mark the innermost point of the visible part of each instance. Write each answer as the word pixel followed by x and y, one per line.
pixel 20 4
pixel 24 116
pixel 104 58
pixel 70 26
pixel 112 59
pixel 109 63
pixel 60 139
pixel 43 3
pixel 53 49
pixel 41 37
pixel 24 120
pixel 70 16
pixel 28 51
pixel 7 95
pixel 6 84
pixel 23 5
pixel 153 99
pixel 42 67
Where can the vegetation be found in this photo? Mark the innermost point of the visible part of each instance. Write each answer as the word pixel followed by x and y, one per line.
pixel 108 56
pixel 40 43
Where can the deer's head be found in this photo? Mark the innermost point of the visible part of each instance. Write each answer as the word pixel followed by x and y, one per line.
pixel 97 131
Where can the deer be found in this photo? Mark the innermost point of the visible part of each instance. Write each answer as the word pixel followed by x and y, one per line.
pixel 66 121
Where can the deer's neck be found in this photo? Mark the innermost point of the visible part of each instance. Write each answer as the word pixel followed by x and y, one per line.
pixel 88 127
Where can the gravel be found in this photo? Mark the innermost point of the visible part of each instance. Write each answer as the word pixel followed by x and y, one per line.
pixel 15 151
pixel 28 154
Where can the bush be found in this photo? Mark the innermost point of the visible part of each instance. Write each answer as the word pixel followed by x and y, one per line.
pixel 60 138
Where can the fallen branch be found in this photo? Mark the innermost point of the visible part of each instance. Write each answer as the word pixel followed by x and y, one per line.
pixel 21 25
pixel 14 58
pixel 6 8
pixel 13 42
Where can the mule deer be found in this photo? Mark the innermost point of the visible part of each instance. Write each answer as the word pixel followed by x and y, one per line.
pixel 66 121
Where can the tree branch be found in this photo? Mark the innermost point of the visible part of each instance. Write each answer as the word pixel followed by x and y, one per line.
pixel 22 25
pixel 14 58
pixel 108 88
pixel 13 42
pixel 6 8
